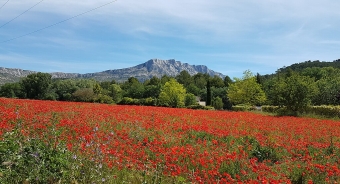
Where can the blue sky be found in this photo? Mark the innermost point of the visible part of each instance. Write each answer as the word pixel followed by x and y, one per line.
pixel 227 36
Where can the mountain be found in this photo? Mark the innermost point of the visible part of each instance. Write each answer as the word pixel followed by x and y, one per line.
pixel 153 67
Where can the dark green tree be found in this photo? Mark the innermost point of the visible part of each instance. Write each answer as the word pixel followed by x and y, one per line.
pixel 227 81
pixel 184 78
pixel 218 103
pixel 217 82
pixel 11 90
pixel 259 79
pixel 192 88
pixel 64 89
pixel 294 92
pixel 190 99
pixel 152 91
pixel 153 81
pixel 209 96
pixel 36 85
pixel 200 80
pixel 165 79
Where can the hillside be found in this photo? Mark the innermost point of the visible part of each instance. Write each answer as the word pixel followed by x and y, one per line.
pixel 308 64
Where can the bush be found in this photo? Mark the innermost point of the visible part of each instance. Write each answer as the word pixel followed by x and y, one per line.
pixel 270 109
pixel 324 110
pixel 190 99
pixel 104 99
pixel 129 101
pixel 147 101
pixel 241 108
pixel 218 103
pixel 200 107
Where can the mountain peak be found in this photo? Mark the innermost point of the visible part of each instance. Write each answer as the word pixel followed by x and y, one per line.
pixel 171 67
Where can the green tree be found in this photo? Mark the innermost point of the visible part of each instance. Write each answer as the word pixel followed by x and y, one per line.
pixel 106 84
pixel 327 90
pixel 97 89
pixel 222 93
pixel 200 80
pixel 192 88
pixel 152 91
pixel 217 82
pixel 115 92
pixel 36 85
pixel 11 90
pixel 209 95
pixel 218 103
pixel 136 90
pixel 84 95
pixel 246 91
pixel 153 81
pixel 64 89
pixel 190 99
pixel 184 78
pixel 294 92
pixel 165 79
pixel 172 94
pixel 227 81
pixel 133 88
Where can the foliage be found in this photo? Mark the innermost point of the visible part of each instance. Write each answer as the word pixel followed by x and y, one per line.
pixel 227 81
pixel 218 103
pixel 200 107
pixel 242 108
pixel 246 91
pixel 36 85
pixel 270 109
pixel 172 94
pixel 11 90
pixel 200 80
pixel 30 160
pixel 184 78
pixel 294 92
pixel 209 95
pixel 103 99
pixel 152 91
pixel 115 92
pixel 190 99
pixel 216 82
pixel 84 95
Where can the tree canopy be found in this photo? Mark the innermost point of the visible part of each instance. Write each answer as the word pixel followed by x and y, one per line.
pixel 246 90
pixel 172 94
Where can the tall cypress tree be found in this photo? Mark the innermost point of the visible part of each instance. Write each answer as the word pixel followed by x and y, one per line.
pixel 208 93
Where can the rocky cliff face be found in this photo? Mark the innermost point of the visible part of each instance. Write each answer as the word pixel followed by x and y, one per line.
pixel 153 67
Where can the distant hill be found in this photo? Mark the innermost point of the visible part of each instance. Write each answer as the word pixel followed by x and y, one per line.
pixel 300 66
pixel 153 67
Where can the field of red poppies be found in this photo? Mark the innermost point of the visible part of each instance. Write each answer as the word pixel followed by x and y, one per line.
pixel 190 146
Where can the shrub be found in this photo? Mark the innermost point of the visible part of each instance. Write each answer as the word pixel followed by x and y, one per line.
pixel 200 107
pixel 241 108
pixel 270 109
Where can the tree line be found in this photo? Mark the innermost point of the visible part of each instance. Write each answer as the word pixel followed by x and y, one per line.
pixel 292 89
pixel 179 91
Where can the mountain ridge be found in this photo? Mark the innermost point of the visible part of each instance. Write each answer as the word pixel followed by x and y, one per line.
pixel 144 71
